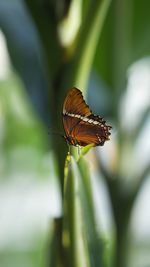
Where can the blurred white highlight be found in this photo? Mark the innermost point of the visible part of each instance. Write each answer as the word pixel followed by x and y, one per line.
pixel 137 97
pixel 4 58
pixel 69 27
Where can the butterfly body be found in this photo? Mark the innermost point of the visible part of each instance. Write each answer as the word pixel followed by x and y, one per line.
pixel 81 126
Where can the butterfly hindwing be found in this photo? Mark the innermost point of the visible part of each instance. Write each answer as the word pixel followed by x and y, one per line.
pixel 87 133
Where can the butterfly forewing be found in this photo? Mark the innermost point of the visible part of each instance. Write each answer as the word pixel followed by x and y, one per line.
pixel 75 104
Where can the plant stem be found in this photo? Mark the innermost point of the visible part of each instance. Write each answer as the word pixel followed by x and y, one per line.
pixel 88 41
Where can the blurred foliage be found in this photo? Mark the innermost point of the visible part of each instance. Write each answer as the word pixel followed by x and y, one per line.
pixel 108 36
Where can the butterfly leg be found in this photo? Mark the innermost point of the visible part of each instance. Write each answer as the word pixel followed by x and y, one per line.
pixel 68 148
pixel 79 150
pixel 67 142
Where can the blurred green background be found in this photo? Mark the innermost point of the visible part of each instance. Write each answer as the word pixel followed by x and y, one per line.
pixel 103 48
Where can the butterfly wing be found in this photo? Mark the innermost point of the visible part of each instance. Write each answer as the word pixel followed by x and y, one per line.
pixel 85 133
pixel 69 124
pixel 75 104
pixel 80 125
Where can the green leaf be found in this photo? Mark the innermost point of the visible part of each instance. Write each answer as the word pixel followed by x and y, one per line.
pixel 55 249
pixel 72 234
pixel 87 42
pixel 85 149
pixel 81 237
pixel 92 239
pixel 79 152
pixel 141 30
pixel 125 38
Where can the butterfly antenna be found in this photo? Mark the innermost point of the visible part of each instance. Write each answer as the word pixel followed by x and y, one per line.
pixel 55 133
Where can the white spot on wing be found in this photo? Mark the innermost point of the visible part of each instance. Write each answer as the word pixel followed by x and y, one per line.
pixel 83 118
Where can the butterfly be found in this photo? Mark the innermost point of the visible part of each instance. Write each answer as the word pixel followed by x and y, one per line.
pixel 81 126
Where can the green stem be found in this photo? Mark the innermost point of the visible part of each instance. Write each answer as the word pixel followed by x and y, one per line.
pixel 72 216
pixel 122 32
pixel 88 41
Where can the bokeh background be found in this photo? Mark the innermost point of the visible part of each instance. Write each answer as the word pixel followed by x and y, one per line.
pixel 46 47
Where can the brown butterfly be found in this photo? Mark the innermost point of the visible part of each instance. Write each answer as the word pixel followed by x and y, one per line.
pixel 81 126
